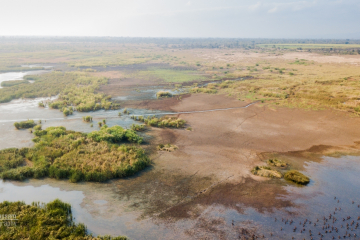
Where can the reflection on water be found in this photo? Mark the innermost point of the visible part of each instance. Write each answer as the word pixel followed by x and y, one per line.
pixel 104 210
pixel 10 76
pixel 316 205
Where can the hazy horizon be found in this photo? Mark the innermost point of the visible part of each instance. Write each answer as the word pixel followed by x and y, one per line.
pixel 182 19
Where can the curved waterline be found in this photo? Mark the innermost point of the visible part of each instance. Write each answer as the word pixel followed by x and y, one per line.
pixel 146 114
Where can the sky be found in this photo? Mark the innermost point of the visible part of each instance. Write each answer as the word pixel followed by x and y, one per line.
pixel 182 18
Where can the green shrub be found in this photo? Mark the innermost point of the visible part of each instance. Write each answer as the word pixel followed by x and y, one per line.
pixel 153 121
pixel 41 104
pixel 87 119
pixel 137 128
pixel 25 124
pixel 297 177
pixel 68 111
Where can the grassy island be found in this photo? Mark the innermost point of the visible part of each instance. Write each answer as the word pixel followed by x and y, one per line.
pixel 297 177
pixel 44 221
pixel 172 122
pixel 64 154
pixel 25 124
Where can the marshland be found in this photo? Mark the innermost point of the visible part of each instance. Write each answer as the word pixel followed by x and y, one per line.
pixel 178 139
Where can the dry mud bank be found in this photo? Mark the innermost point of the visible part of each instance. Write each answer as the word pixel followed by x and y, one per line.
pixel 227 143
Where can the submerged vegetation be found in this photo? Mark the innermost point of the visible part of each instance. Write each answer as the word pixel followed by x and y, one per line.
pixel 264 171
pixel 87 118
pixel 25 124
pixel 42 221
pixel 63 154
pixel 172 122
pixel 296 177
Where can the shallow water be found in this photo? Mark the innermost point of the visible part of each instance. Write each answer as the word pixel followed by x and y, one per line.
pixel 11 76
pixel 105 210
pixel 24 109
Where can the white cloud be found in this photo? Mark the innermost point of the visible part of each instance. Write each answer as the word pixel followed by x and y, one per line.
pixel 272 10
pixel 188 3
pixel 255 6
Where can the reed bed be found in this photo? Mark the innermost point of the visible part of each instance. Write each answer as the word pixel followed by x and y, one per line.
pixel 25 124
pixel 172 122
pixel 62 154
pixel 43 221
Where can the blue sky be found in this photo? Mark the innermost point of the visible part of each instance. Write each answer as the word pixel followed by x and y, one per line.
pixel 178 18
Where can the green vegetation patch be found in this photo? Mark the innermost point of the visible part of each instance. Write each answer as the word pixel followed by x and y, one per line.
pixel 137 127
pixel 297 177
pixel 13 83
pixel 276 162
pixel 264 171
pixel 81 95
pixel 63 154
pixel 77 91
pixel 87 119
pixel 44 221
pixel 163 94
pixel 25 124
pixel 172 122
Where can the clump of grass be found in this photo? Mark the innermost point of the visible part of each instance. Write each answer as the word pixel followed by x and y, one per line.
pixel 153 121
pixel 126 111
pixel 189 128
pixel 42 221
pixel 137 128
pixel 167 147
pixel 276 162
pixel 264 171
pixel 87 118
pixel 296 177
pixel 25 124
pixel 100 124
pixel 63 154
pixel 41 104
pixel 202 90
pixel 161 94
pixel 68 111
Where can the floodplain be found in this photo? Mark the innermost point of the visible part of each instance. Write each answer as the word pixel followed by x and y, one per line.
pixel 226 110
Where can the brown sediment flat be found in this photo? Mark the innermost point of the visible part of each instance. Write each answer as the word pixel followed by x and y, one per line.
pixel 262 196
pixel 228 143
